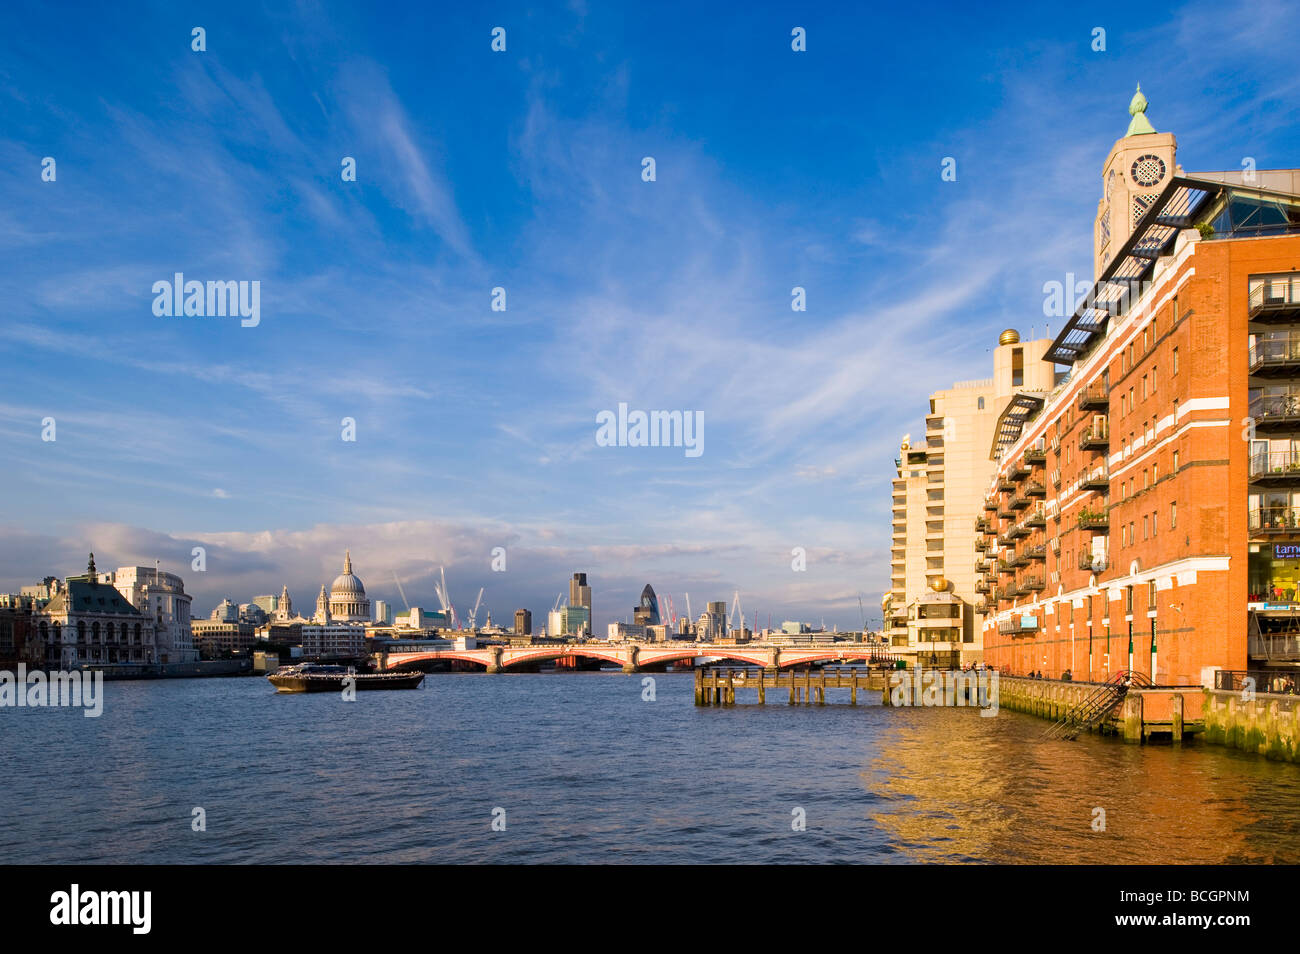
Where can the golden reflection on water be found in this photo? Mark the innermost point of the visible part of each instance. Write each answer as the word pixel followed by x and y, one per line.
pixel 959 787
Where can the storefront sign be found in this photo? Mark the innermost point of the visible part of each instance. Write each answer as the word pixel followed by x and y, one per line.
pixel 1286 551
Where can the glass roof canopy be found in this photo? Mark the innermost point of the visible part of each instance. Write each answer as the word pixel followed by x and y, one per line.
pixel 1120 284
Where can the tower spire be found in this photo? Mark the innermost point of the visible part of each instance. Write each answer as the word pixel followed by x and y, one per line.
pixel 347 561
pixel 1137 108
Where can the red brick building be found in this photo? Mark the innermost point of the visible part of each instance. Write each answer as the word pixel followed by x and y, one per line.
pixel 1144 512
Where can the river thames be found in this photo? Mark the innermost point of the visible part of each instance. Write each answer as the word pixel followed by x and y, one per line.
pixel 584 770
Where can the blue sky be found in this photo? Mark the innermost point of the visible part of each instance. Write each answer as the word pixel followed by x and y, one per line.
pixel 522 169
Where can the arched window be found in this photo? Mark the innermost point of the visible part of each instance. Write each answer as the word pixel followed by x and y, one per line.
pixel 45 631
pixel 137 632
pixel 81 630
pixel 94 632
pixel 58 631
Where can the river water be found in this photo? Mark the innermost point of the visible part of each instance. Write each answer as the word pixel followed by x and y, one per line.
pixel 580 768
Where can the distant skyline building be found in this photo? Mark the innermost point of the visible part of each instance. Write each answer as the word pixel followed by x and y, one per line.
pixel 580 594
pixel 162 597
pixel 348 602
pixel 647 613
pixel 523 622
pixel 91 621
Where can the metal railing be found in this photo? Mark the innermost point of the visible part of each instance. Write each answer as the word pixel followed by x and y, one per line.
pixel 1269 681
pixel 1284 405
pixel 1094 396
pixel 1273 519
pixel 1275 464
pixel 1276 292
pixel 1278 347
pixel 1284 647
pixel 1093 563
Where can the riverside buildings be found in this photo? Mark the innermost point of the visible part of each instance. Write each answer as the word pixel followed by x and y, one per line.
pixel 1144 512
pixel 933 604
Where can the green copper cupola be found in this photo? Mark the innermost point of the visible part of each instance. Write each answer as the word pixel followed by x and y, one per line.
pixel 1137 108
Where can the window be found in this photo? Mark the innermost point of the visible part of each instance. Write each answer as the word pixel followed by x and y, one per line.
pixel 1175 312
pixel 1132 404
pixel 980 404
pixel 1123 536
pixel 1144 387
pixel 1175 462
pixel 1175 361
pixel 1018 367
pixel 1128 599
pixel 1146 528
pixel 1132 532
pixel 1151 594
pixel 1153 379
pixel 1145 482
pixel 1155 520
pixel 1155 473
pixel 1173 514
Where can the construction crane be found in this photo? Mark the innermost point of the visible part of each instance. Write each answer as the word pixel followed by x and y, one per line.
pixel 441 589
pixel 672 614
pixel 401 591
pixel 473 614
pixel 736 613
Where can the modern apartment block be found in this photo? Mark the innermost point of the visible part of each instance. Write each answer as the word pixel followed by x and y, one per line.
pixel 1159 531
pixel 932 607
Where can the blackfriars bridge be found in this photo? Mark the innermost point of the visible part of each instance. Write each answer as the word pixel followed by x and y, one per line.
pixel 636 657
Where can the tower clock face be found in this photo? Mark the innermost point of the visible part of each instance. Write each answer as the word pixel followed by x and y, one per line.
pixel 1148 170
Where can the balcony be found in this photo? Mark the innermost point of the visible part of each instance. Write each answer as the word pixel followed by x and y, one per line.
pixel 981 545
pixel 1037 517
pixel 1036 455
pixel 1096 520
pixel 1006 566
pixel 1006 485
pixel 1018 625
pixel 1275 467
pixel 982 586
pixel 991 504
pixel 1056 479
pixel 1274 520
pixel 981 525
pixel 1056 546
pixel 1093 562
pixel 1275 412
pixel 1018 531
pixel 1275 354
pixel 1006 513
pixel 1098 478
pixel 1019 559
pixel 1095 437
pixel 1276 300
pixel 1019 503
pixel 1055 445
pixel 1035 488
pixel 1006 592
pixel 1095 397
pixel 981 607
pixel 1036 551
pixel 1032 584
pixel 1017 471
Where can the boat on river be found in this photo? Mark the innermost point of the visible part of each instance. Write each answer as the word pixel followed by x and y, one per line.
pixel 316 677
